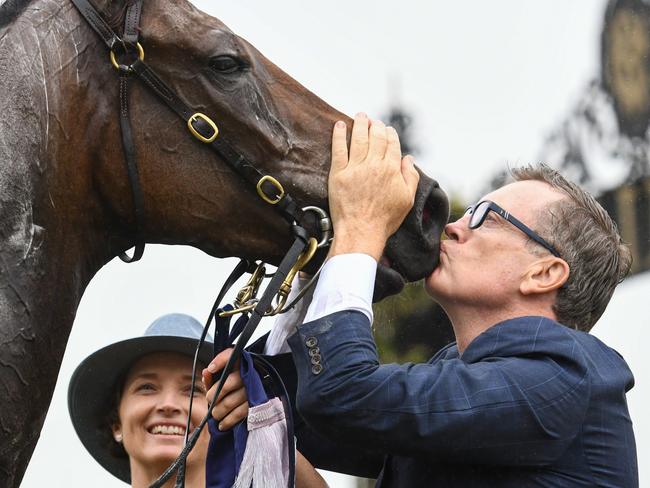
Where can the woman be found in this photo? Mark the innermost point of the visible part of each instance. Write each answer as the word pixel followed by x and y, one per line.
pixel 129 403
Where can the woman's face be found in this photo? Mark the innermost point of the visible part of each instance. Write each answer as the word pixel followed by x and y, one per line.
pixel 153 412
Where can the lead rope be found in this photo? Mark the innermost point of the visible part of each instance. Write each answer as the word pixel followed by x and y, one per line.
pixel 297 248
pixel 242 267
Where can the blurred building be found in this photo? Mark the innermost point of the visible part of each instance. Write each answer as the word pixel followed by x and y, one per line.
pixel 604 143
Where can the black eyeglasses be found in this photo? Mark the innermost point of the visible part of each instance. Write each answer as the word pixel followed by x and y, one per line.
pixel 479 211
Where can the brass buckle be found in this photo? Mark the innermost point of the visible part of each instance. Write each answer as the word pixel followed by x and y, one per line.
pixel 276 184
pixel 243 309
pixel 285 288
pixel 246 299
pixel 140 55
pixel 208 121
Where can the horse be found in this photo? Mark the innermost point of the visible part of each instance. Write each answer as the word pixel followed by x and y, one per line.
pixel 66 203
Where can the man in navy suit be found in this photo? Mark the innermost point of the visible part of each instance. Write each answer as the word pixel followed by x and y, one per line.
pixel 525 396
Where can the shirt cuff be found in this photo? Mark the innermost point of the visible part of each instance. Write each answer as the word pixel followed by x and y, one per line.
pixel 346 282
pixel 285 324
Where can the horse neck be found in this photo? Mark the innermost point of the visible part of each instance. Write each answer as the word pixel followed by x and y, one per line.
pixel 49 243
pixel 39 147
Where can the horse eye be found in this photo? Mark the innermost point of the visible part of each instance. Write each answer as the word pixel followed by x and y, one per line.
pixel 225 64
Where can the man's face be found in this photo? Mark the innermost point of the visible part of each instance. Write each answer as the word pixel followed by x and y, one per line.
pixel 485 266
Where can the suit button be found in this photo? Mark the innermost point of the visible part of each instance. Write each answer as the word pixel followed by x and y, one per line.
pixel 314 351
pixel 316 368
pixel 315 359
pixel 311 341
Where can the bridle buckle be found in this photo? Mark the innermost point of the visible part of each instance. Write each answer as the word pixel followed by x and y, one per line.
pixel 199 116
pixel 276 184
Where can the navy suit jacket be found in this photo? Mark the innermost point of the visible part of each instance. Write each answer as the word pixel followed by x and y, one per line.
pixel 529 403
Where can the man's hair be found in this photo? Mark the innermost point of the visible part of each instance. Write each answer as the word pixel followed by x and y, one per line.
pixel 588 240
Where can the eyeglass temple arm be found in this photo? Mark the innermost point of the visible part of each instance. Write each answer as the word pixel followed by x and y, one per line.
pixel 524 228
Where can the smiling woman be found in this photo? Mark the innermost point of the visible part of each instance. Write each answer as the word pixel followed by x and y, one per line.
pixel 129 402
pixel 129 405
pixel 150 420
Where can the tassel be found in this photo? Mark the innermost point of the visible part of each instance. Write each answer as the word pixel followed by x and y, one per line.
pixel 266 459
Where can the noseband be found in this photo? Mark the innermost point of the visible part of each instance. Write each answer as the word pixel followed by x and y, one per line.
pixel 127 56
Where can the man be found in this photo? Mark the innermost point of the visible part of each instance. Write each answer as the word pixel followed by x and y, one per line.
pixel 525 397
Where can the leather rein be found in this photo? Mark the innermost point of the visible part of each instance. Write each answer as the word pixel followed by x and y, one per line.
pixel 127 56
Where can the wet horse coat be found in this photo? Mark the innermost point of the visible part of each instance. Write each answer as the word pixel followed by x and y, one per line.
pixel 66 207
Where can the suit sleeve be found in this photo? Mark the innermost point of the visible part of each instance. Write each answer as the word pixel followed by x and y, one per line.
pixel 508 409
pixel 321 451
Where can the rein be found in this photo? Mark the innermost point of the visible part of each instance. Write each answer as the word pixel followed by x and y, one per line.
pixel 127 56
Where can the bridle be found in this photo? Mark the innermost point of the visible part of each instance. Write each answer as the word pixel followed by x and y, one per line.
pixel 201 126
pixel 269 189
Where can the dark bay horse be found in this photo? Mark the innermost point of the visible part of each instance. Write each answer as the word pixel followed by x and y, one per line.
pixel 65 201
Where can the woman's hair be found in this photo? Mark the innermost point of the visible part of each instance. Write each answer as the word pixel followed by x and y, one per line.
pixel 112 418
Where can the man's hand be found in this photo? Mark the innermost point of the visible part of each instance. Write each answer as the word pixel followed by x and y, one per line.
pixel 232 404
pixel 370 190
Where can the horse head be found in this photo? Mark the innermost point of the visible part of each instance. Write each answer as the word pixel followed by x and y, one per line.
pixel 191 196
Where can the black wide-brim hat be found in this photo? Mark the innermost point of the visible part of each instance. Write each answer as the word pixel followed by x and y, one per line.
pixel 91 392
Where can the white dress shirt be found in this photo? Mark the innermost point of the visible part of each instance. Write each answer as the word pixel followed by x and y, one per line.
pixel 346 282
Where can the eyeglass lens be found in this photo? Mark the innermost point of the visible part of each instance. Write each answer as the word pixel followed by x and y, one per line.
pixel 478 214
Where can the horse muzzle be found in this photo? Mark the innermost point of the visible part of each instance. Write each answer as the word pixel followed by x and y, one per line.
pixel 412 253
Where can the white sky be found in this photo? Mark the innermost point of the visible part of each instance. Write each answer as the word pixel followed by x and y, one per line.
pixel 486 82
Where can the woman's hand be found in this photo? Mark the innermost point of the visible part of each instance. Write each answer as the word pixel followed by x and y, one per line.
pixel 232 404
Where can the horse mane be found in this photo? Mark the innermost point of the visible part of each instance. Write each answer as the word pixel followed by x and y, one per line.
pixel 10 9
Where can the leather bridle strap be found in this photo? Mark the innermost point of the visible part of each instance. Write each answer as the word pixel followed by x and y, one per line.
pixel 199 122
pixel 242 267
pixel 200 125
pixel 132 23
pixel 131 30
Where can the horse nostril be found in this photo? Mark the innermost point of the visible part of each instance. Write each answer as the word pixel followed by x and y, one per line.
pixel 429 212
pixel 426 216
pixel 433 215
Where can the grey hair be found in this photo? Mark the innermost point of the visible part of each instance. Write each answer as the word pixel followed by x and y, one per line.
pixel 588 240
